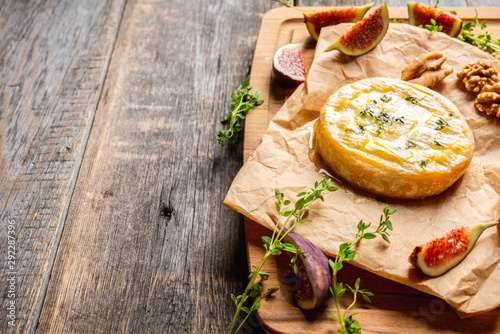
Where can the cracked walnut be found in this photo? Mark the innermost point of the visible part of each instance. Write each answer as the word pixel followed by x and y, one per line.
pixel 426 70
pixel 477 75
pixel 488 101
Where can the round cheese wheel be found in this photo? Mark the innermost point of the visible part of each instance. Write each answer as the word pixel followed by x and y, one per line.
pixel 393 138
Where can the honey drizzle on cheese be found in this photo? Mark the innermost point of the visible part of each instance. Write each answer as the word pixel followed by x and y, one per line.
pixel 424 130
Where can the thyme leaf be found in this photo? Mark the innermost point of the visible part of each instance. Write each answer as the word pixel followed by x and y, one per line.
pixel 438 143
pixel 409 144
pixel 385 98
pixel 411 99
pixel 441 124
pixel 433 26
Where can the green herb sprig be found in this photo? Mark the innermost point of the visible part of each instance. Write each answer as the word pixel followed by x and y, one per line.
pixel 385 98
pixel 411 99
pixel 441 124
pixel 433 26
pixel 345 254
pixel 274 246
pixel 381 117
pixel 243 102
pixel 409 144
pixel 483 39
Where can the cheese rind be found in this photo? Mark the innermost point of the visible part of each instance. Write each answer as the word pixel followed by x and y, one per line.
pixel 394 138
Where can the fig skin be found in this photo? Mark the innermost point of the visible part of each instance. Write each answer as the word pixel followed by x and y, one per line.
pixel 311 287
pixel 364 35
pixel 317 20
pixel 289 65
pixel 419 14
pixel 442 254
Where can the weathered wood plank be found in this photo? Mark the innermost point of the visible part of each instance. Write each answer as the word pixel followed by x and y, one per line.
pixel 53 59
pixel 147 246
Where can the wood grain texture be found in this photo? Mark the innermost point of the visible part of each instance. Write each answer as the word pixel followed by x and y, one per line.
pixel 53 59
pixel 396 309
pixel 147 246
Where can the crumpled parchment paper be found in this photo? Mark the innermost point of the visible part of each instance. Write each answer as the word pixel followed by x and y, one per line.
pixel 285 161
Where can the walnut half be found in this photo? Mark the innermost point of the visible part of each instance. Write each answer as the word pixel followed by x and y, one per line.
pixel 488 101
pixel 477 75
pixel 426 70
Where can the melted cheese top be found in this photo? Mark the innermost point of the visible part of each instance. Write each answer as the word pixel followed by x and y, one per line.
pixel 401 125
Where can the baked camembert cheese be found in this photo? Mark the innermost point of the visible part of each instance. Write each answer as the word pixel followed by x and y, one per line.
pixel 393 138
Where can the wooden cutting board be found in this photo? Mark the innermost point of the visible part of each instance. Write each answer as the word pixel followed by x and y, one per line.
pixel 396 308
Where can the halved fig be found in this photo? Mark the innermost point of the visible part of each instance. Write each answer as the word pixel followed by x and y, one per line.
pixel 419 14
pixel 310 286
pixel 289 66
pixel 364 35
pixel 440 255
pixel 317 20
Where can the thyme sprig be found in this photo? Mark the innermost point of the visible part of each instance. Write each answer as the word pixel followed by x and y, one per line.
pixel 382 117
pixel 345 254
pixel 433 26
pixel 411 99
pixel 243 102
pixel 287 213
pixel 441 124
pixel 475 34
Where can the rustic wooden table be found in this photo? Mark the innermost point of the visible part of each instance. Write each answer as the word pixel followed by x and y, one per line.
pixel 111 177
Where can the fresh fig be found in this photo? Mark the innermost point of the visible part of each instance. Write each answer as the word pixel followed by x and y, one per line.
pixel 364 35
pixel 317 20
pixel 309 287
pixel 289 66
pixel 419 14
pixel 440 255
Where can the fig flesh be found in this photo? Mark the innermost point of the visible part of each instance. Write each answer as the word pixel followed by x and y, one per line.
pixel 311 287
pixel 419 14
pixel 317 20
pixel 289 66
pixel 364 35
pixel 440 255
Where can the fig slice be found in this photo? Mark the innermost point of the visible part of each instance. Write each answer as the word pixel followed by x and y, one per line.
pixel 311 287
pixel 364 35
pixel 442 254
pixel 419 14
pixel 317 20
pixel 289 66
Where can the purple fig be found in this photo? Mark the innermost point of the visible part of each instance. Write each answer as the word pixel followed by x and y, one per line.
pixel 317 20
pixel 289 65
pixel 308 284
pixel 364 35
pixel 440 255
pixel 422 15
